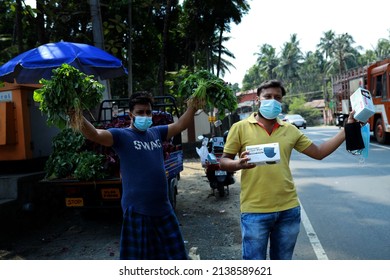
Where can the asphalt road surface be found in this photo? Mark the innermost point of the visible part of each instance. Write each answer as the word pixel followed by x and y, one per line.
pixel 346 202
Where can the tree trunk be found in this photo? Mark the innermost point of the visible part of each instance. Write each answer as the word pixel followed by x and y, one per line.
pixel 98 39
pixel 19 30
pixel 219 50
pixel 161 72
pixel 97 28
pixel 130 49
pixel 40 23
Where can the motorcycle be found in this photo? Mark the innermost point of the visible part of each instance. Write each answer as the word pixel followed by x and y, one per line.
pixel 210 153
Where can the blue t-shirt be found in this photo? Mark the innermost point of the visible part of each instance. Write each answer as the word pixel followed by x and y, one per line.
pixel 144 182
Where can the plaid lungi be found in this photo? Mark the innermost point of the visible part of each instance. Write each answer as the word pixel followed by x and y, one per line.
pixel 151 238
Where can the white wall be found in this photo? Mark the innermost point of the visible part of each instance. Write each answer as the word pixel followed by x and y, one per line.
pixel 202 125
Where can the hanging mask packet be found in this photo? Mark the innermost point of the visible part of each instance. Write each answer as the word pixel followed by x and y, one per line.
pixel 357 140
pixel 366 139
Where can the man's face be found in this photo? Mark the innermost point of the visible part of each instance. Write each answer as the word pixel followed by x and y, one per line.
pixel 271 93
pixel 141 110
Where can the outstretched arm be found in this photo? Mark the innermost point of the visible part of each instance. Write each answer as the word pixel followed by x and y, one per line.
pixel 184 121
pixel 323 150
pixel 100 136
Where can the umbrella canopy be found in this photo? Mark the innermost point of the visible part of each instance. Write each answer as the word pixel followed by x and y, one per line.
pixel 35 64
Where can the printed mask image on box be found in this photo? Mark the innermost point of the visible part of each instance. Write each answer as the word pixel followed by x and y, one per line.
pixel 361 102
pixel 264 154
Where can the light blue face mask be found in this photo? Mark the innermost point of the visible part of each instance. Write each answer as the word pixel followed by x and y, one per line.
pixel 142 123
pixel 366 139
pixel 270 108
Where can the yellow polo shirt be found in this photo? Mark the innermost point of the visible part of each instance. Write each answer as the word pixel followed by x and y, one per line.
pixel 267 188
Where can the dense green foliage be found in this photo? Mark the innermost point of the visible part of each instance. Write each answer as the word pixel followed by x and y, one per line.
pixel 297 106
pixel 209 92
pixel 162 37
pixel 311 71
pixel 89 166
pixel 68 90
pixel 70 159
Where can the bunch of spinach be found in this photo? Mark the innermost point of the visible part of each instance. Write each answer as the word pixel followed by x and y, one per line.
pixel 71 159
pixel 208 91
pixel 69 90
pixel 89 166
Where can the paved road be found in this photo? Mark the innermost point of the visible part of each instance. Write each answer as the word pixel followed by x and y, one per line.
pixel 346 203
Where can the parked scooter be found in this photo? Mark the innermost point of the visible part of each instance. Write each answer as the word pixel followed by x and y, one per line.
pixel 210 153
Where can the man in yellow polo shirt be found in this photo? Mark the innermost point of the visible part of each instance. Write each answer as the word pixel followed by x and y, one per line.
pixel 270 208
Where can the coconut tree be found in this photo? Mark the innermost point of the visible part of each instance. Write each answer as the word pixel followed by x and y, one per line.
pixel 326 43
pixel 224 12
pixel 342 50
pixel 267 61
pixel 311 73
pixel 215 60
pixel 290 60
pixel 382 49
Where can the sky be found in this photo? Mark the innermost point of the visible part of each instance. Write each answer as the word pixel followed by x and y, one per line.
pixel 273 22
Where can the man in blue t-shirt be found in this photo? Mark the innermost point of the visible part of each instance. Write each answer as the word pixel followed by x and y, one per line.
pixel 150 228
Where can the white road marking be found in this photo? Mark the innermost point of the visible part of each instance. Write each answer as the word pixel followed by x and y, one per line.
pixel 379 146
pixel 311 234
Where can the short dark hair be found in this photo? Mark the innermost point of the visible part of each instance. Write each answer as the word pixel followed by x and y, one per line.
pixel 140 97
pixel 271 84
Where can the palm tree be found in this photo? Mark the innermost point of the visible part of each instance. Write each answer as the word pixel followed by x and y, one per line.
pixel 326 43
pixel 342 50
pixel 290 59
pixel 226 11
pixel 214 56
pixel 197 27
pixel 267 61
pixel 382 49
pixel 311 73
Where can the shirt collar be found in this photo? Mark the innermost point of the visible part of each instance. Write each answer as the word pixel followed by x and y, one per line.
pixel 252 119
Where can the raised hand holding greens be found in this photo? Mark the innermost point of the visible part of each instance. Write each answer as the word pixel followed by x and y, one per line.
pixel 69 92
pixel 207 91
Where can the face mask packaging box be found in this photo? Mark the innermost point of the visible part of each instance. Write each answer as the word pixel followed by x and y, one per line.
pixel 361 102
pixel 264 154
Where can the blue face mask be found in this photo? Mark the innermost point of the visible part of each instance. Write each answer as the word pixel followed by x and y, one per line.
pixel 270 108
pixel 142 123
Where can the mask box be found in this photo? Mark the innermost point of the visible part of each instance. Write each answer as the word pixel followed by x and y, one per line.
pixel 264 154
pixel 361 102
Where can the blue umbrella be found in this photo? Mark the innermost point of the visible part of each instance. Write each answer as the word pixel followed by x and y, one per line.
pixel 35 64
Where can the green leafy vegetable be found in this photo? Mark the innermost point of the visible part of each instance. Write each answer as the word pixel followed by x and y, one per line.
pixel 62 161
pixel 69 90
pixel 207 90
pixel 89 166
pixel 70 159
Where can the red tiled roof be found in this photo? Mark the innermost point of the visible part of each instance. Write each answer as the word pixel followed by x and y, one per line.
pixel 248 95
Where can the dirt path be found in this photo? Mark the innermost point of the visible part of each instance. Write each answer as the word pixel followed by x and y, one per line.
pixel 209 223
